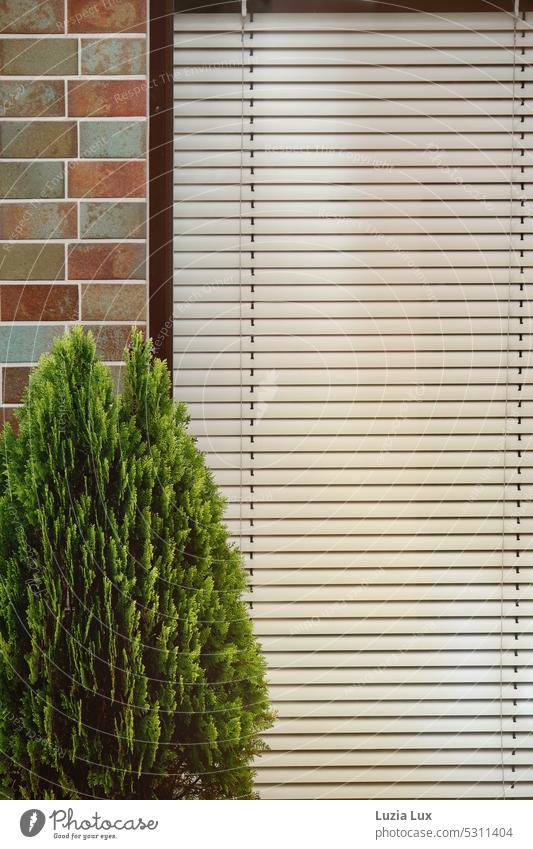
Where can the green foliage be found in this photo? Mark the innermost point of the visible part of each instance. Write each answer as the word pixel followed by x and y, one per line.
pixel 128 666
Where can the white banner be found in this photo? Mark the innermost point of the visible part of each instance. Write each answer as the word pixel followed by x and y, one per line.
pixel 270 825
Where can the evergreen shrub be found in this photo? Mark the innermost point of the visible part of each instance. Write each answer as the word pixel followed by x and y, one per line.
pixel 128 665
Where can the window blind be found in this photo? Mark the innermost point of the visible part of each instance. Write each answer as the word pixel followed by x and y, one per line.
pixel 353 255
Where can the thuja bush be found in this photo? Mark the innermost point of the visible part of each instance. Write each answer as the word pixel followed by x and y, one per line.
pixel 128 665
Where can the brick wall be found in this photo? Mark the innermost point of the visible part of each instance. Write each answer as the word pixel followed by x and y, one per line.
pixel 73 138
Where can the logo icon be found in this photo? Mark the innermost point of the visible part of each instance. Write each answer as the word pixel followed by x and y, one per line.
pixel 32 822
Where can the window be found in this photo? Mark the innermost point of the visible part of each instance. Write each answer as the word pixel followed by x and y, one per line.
pixel 353 253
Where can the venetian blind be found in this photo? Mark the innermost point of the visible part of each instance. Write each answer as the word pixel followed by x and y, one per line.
pixel 353 255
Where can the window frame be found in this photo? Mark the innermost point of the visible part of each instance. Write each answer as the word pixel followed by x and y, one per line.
pixel 160 177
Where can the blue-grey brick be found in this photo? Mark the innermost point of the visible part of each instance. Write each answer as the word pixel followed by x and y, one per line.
pixel 113 139
pixel 25 344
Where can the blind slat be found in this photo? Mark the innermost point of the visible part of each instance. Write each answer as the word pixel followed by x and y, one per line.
pixel 468 21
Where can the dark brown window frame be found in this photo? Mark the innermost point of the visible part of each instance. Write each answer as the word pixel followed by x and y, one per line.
pixel 318 6
pixel 160 172
pixel 161 125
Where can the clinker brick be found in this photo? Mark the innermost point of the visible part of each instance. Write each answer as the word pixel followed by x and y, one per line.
pixel 111 339
pixel 15 381
pixel 113 302
pixel 113 139
pixel 114 56
pixel 21 343
pixel 38 221
pixel 32 180
pixel 106 16
pixel 33 139
pixel 48 302
pixel 109 261
pixel 29 16
pixel 32 262
pixel 39 57
pixel 27 98
pixel 107 98
pixel 115 220
pixel 107 179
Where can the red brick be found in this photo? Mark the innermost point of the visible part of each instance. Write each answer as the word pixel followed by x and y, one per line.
pixel 106 16
pixel 48 302
pixel 14 383
pixel 107 179
pixel 107 98
pixel 38 221
pixel 115 261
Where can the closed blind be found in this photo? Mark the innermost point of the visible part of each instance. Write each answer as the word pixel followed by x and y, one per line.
pixel 353 256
